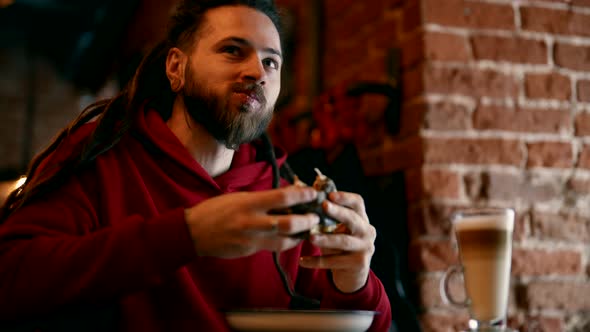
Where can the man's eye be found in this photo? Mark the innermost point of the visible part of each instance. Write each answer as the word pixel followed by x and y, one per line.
pixel 272 63
pixel 233 50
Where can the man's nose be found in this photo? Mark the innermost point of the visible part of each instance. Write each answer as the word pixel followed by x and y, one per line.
pixel 254 70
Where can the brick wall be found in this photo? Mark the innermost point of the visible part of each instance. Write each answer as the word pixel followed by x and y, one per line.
pixel 496 113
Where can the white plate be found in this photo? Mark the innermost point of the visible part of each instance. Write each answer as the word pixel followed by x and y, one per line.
pixel 266 320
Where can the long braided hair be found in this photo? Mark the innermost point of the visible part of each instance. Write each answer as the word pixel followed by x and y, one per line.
pixel 114 115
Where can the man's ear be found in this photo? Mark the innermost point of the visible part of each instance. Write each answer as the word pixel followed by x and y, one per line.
pixel 175 67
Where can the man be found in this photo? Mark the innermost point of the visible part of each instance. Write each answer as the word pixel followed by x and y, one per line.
pixel 155 216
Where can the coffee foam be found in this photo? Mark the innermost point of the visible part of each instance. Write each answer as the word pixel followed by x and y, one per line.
pixel 503 222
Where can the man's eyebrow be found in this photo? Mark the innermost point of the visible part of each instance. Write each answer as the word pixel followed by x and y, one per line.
pixel 245 42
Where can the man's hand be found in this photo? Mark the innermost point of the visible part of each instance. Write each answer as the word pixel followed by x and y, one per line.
pixel 238 224
pixel 348 252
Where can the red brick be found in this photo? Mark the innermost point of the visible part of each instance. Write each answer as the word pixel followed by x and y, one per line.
pixel 562 227
pixel 446 115
pixel 514 49
pixel 550 154
pixel 521 120
pixel 470 82
pixel 543 324
pixel 536 323
pixel 512 187
pixel 521 222
pixel 531 262
pixel 548 86
pixel 430 218
pixel 584 91
pixel 572 56
pixel 584 159
pixel 432 255
pixel 446 47
pixel 427 183
pixel 428 288
pixel 558 295
pixel 474 183
pixel 581 3
pixel 469 14
pixel 556 21
pixel 579 186
pixel 473 151
pixel 454 320
pixel 582 124
pixel 440 184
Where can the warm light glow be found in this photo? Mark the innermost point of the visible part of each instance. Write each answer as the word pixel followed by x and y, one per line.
pixel 7 187
pixel 6 3
pixel 19 182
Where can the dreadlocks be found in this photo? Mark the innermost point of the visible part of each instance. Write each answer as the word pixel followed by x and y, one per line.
pixel 149 86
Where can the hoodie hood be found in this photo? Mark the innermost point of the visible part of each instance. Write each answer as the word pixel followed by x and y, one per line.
pixel 251 168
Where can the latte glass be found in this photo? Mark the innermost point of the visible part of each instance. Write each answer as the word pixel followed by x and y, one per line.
pixel 484 241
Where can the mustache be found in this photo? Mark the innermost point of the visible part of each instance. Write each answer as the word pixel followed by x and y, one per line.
pixel 252 89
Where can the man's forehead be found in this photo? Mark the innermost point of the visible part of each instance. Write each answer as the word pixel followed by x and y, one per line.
pixel 241 22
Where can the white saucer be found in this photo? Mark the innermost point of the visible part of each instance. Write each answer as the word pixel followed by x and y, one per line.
pixel 266 320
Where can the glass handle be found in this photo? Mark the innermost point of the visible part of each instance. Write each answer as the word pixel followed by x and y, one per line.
pixel 445 292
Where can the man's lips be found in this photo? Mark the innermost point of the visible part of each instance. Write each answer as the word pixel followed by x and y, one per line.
pixel 250 95
pixel 248 99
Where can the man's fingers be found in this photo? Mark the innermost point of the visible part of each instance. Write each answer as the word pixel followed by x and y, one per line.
pixel 351 219
pixel 283 225
pixel 341 242
pixel 351 200
pixel 282 197
pixel 295 223
pixel 260 225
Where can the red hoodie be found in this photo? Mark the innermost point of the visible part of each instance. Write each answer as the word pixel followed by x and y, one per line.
pixel 110 249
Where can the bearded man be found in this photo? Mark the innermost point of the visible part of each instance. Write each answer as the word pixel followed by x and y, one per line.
pixel 150 212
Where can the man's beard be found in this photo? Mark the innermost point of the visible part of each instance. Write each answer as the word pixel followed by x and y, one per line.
pixel 228 124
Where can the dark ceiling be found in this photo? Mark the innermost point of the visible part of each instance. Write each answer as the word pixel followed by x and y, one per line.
pixel 82 38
